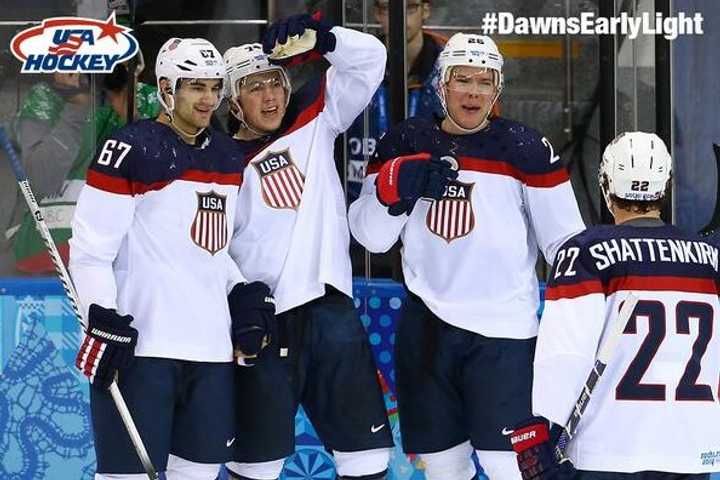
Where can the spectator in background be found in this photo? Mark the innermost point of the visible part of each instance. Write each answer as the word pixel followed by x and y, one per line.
pixel 56 164
pixel 423 48
pixel 47 132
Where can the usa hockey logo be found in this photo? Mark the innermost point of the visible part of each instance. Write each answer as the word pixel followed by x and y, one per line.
pixel 209 229
pixel 282 183
pixel 452 216
pixel 74 44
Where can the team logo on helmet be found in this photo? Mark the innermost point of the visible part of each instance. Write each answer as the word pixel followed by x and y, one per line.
pixel 282 183
pixel 209 229
pixel 74 44
pixel 452 216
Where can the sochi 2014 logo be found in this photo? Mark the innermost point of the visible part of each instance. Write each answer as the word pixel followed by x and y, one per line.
pixel 73 44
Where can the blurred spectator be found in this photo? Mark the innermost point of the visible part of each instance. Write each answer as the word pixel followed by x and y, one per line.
pixel 58 178
pixel 47 132
pixel 423 48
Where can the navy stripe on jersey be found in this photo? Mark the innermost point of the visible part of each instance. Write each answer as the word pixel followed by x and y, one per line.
pixel 606 259
pixel 504 148
pixel 148 155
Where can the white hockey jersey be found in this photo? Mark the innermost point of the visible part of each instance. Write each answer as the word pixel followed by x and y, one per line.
pixel 471 255
pixel 656 406
pixel 150 239
pixel 291 228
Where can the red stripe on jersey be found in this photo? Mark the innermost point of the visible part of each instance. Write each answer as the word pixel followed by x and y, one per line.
pixel 666 283
pixel 587 287
pixel 310 112
pixel 499 167
pixel 124 186
pixel 547 180
pixel 108 183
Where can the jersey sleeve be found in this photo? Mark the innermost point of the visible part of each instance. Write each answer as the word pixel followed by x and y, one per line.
pixel 103 216
pixel 370 222
pixel 552 208
pixel 357 68
pixel 234 275
pixel 571 326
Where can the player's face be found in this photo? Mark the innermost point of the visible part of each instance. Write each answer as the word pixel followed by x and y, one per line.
pixel 195 102
pixel 262 99
pixel 469 94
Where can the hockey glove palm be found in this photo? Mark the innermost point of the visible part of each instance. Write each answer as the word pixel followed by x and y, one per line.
pixel 403 180
pixel 286 41
pixel 252 310
pixel 536 452
pixel 109 345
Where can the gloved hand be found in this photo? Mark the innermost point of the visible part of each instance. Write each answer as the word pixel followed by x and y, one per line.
pixel 403 180
pixel 279 32
pixel 252 310
pixel 109 345
pixel 535 451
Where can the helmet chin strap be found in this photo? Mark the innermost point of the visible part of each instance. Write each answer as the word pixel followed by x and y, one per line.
pixel 481 125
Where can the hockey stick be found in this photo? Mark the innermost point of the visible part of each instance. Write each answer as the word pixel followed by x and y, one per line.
pixel 710 228
pixel 60 269
pixel 605 352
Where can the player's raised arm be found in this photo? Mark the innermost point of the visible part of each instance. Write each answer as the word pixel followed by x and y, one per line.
pixel 357 62
pixel 104 213
pixel 358 67
pixel 553 209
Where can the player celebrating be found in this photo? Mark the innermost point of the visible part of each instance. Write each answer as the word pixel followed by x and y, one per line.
pixel 149 257
pixel 472 198
pixel 291 232
pixel 654 413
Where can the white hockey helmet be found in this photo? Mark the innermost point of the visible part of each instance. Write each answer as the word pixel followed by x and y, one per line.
pixel 191 58
pixel 242 61
pixel 635 166
pixel 471 50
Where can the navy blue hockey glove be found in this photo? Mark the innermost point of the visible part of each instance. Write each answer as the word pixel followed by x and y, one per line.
pixel 403 180
pixel 279 32
pixel 109 345
pixel 252 310
pixel 532 442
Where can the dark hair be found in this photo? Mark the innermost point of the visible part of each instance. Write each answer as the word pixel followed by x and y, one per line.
pixel 636 206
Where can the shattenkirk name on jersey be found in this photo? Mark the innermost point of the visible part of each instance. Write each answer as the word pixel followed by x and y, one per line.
pixel 616 250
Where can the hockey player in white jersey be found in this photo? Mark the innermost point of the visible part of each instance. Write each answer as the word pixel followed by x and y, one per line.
pixel 149 258
pixel 291 232
pixel 654 413
pixel 472 198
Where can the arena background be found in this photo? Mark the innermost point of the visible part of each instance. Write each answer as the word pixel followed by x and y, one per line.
pixel 578 90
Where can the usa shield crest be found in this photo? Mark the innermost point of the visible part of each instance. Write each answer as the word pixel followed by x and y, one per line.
pixel 209 229
pixel 281 182
pixel 452 216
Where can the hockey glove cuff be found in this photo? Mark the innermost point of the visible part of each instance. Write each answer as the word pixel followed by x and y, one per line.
pixel 109 345
pixel 531 441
